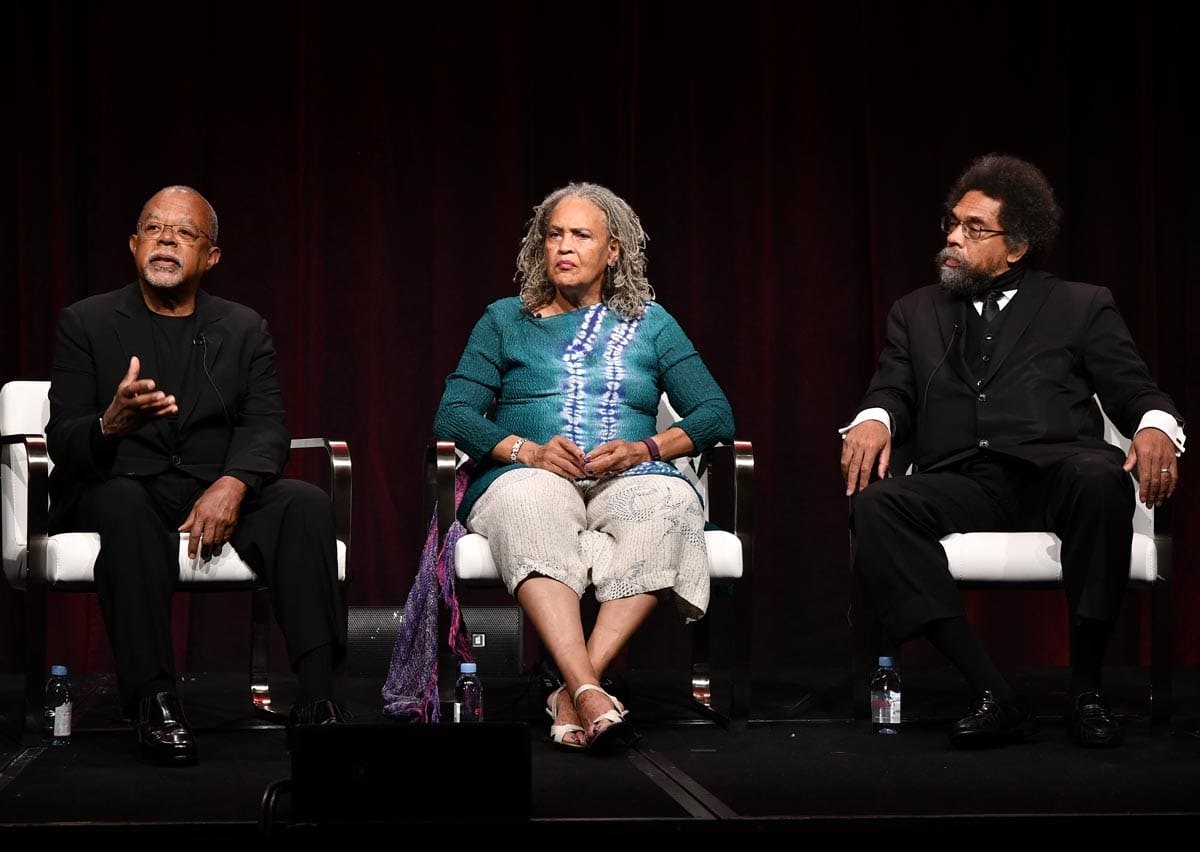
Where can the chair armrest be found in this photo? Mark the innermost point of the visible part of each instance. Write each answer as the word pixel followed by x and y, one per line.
pixel 37 502
pixel 441 462
pixel 730 469
pixel 340 485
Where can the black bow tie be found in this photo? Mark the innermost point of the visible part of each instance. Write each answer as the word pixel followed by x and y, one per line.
pixel 991 305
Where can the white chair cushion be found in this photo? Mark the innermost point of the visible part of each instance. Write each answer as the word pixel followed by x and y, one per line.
pixel 70 557
pixel 473 557
pixel 1029 557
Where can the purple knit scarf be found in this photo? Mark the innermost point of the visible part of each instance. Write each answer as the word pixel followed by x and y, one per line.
pixel 410 692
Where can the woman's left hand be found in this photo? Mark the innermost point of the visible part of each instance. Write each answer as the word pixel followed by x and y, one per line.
pixel 614 457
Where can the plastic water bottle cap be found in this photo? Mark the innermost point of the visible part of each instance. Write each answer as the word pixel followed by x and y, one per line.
pixel 58 670
pixel 886 662
pixel 467 668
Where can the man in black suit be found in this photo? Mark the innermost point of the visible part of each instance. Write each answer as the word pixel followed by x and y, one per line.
pixel 990 375
pixel 166 418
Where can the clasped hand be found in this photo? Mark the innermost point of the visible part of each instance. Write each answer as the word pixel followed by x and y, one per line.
pixel 562 456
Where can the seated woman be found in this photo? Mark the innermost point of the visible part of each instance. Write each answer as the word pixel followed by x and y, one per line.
pixel 572 484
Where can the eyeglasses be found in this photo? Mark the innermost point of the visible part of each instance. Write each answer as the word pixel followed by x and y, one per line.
pixel 183 233
pixel 970 230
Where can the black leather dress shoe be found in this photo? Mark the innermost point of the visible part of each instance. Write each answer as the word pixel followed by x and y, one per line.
pixel 992 722
pixel 162 731
pixel 325 712
pixel 1091 723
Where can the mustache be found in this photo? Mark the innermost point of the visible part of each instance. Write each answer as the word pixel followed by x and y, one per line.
pixel 165 255
pixel 947 253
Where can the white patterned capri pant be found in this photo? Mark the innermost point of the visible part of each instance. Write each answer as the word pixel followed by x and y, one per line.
pixel 624 536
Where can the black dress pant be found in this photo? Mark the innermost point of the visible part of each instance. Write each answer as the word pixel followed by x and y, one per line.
pixel 286 536
pixel 1086 499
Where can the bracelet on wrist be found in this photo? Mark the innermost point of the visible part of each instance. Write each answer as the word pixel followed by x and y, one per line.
pixel 516 448
pixel 652 446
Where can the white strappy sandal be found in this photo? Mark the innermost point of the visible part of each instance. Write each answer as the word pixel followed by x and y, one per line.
pixel 619 735
pixel 559 733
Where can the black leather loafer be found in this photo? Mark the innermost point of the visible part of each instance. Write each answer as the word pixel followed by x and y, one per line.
pixel 325 712
pixel 162 731
pixel 1091 723
pixel 991 722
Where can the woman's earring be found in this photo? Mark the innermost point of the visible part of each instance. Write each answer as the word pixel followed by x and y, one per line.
pixel 609 273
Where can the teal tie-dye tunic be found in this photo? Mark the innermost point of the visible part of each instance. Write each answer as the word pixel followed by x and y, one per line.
pixel 586 375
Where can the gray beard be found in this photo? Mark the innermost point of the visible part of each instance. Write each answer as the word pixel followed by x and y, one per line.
pixel 961 280
pixel 162 280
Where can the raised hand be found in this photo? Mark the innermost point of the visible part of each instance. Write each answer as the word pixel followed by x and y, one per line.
pixel 136 403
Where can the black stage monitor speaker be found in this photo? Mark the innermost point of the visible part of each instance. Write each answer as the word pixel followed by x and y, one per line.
pixel 497 639
pixel 399 771
pixel 371 636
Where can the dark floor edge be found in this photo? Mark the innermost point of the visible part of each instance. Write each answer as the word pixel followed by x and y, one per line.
pixel 603 832
pixel 670 785
pixel 706 804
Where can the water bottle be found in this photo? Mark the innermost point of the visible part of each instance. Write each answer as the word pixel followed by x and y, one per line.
pixel 468 695
pixel 56 716
pixel 885 697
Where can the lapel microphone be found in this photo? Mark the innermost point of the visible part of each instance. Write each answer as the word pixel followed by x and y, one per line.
pixel 925 393
pixel 201 340
pixel 941 361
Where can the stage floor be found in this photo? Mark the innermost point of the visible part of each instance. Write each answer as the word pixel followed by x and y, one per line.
pixel 801 767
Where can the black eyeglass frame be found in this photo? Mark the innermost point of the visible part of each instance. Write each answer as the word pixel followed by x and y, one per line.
pixel 970 230
pixel 175 229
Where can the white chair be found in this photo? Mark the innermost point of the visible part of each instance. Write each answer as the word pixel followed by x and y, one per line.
pixel 38 564
pixel 724 476
pixel 1031 560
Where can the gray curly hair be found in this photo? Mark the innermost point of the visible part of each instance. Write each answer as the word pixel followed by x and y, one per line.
pixel 626 289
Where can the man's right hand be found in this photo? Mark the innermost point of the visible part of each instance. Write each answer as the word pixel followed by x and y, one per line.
pixel 861 446
pixel 136 403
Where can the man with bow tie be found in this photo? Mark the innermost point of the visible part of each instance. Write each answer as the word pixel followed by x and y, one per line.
pixel 989 377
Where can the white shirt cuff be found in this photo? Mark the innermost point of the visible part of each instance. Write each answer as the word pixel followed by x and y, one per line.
pixel 1164 422
pixel 879 414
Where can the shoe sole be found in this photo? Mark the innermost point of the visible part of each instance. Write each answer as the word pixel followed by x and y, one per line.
pixel 617 738
pixel 1113 742
pixel 173 760
pixel 563 746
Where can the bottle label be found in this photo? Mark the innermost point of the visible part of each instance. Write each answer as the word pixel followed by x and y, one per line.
pixel 885 707
pixel 457 711
pixel 62 720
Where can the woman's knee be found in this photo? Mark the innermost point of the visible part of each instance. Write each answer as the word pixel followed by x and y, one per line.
pixel 535 492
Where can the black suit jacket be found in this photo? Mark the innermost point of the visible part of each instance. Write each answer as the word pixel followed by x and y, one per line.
pixel 239 431
pixel 1061 342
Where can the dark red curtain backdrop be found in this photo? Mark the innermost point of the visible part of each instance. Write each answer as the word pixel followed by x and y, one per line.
pixel 374 172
